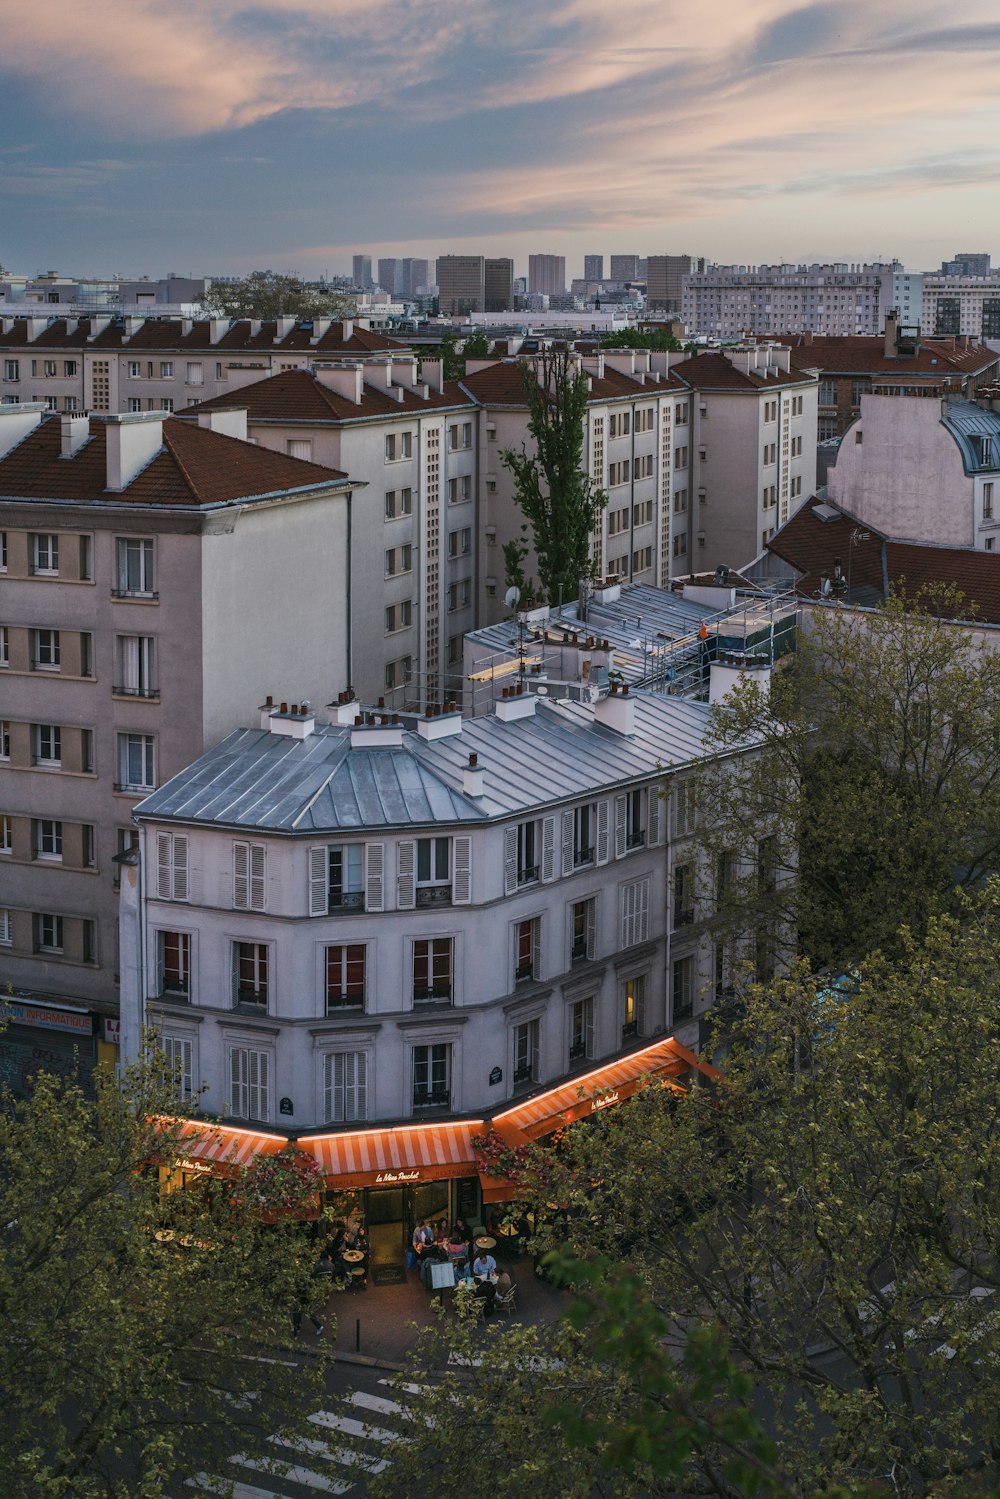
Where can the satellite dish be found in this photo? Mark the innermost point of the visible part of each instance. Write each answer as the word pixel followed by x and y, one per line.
pixel 512 598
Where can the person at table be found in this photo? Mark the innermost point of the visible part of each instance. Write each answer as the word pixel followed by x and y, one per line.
pixel 503 1283
pixel 423 1238
pixel 462 1231
pixel 484 1266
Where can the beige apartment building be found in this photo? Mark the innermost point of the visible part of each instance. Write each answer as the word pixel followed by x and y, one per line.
pixel 461 284
pixel 148 567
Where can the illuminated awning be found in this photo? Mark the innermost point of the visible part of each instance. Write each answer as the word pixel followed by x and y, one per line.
pixel 664 1062
pixel 221 1148
pixel 396 1157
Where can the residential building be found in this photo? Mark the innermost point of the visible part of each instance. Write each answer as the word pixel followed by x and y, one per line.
pixel 593 268
pixel 625 268
pixel 962 304
pixel 388 276
pixel 361 272
pixel 146 582
pixel 665 280
pixel 461 284
pixel 498 285
pixel 547 275
pixel 732 301
pixel 413 276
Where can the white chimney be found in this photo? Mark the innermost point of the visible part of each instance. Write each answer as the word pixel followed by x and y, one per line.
pixel 283 326
pixel 218 327
pixel 432 370
pixel 440 725
pixel 378 372
pixel 345 711
pixel 133 440
pixel 472 777
pixel 97 327
pixel 74 432
pixel 377 734
pixel 616 710
pixel 16 422
pixel 296 722
pixel 231 421
pixel 725 675
pixel 320 326
pixel 346 330
pixel 518 704
pixel 348 380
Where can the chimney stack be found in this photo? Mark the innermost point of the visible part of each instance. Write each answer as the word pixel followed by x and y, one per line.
pixel 74 432
pixel 472 777
pixel 133 441
pixel 616 710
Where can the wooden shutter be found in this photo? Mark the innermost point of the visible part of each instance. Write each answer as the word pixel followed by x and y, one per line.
pixel 318 866
pixel 256 864
pixel 641 910
pixel 329 1087
pixel 461 890
pixel 654 814
pixel 603 818
pixel 588 1027
pixel 406 885
pixel 163 866
pixel 591 931
pixel 627 918
pixel 180 853
pixel 509 860
pixel 567 842
pixel 374 876
pixel 238 1082
pixel 241 876
pixel 548 849
pixel 621 814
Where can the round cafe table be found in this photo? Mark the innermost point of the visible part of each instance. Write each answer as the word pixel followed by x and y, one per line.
pixel 165 1236
pixel 352 1256
pixel 486 1242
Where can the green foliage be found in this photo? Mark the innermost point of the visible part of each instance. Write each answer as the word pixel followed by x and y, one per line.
pixel 551 485
pixel 476 346
pixel 268 294
pixel 877 782
pixel 126 1361
pixel 654 338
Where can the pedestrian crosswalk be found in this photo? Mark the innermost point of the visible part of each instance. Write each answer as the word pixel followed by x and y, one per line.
pixel 355 1440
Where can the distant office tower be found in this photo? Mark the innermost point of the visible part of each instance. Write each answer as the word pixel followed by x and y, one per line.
pixel 410 274
pixel 547 274
pixel 664 278
pixel 593 268
pixel 362 272
pixel 388 272
pixel 499 285
pixel 643 267
pixel 461 284
pixel 966 264
pixel 624 267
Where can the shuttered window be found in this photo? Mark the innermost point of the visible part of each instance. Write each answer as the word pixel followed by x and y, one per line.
pixel 250 1084
pixel 346 877
pixel 179 1055
pixel 171 866
pixel 345 1086
pixel 635 912
pixel 345 976
pixel 248 876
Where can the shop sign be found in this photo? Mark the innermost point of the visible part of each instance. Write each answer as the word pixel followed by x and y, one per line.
pixel 112 1030
pixel 389 1178
pixel 20 1012
pixel 605 1100
pixel 496 1076
pixel 185 1163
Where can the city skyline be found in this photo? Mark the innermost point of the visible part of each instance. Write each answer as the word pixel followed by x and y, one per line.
pixel 214 141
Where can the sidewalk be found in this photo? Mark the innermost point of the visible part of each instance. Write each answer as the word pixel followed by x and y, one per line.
pixel 387 1313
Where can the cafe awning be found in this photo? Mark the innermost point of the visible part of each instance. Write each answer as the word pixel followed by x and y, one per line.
pixel 664 1062
pixel 396 1157
pixel 221 1148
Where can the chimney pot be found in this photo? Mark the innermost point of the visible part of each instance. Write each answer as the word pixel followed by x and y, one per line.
pixel 295 708
pixel 284 708
pixel 473 760
pixel 269 702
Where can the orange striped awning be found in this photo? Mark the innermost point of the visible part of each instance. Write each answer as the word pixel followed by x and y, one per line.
pixel 223 1148
pixel 396 1157
pixel 663 1062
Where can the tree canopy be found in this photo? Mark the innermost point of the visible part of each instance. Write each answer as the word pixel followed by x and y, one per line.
pixel 130 1322
pixel 650 338
pixel 271 294
pixel 552 487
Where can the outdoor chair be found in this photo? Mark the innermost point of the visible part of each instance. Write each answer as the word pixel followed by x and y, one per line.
pixel 505 1304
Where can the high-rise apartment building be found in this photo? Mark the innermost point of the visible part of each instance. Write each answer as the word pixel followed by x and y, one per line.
pixel 730 301
pixel 593 268
pixel 361 273
pixel 388 273
pixel 499 285
pixel 547 275
pixel 664 279
pixel 461 284
pixel 411 275
pixel 624 267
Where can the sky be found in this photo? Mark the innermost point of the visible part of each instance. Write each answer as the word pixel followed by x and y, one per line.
pixel 218 136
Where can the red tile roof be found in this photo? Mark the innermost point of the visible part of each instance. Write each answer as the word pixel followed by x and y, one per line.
pixel 862 354
pixel 501 384
pixel 167 334
pixel 716 372
pixel 194 467
pixel 298 396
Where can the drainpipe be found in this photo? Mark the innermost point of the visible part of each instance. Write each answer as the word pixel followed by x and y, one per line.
pixel 348 638
pixel 631 498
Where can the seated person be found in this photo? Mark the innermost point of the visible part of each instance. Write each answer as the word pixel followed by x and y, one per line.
pixel 461 1231
pixel 504 1283
pixel 484 1265
pixel 423 1238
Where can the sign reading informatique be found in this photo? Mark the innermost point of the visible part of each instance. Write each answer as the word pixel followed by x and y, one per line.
pixel 22 1012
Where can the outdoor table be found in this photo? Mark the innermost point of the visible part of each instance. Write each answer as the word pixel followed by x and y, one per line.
pixel 165 1236
pixel 486 1242
pixel 352 1256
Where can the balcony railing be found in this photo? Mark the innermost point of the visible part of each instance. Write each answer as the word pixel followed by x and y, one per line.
pixel 338 1002
pixel 579 949
pixel 437 992
pixel 523 1074
pixel 438 1098
pixel 524 972
pixel 582 856
pixel 528 875
pixel 133 593
pixel 122 691
pixel 174 994
pixel 433 895
pixel 578 1051
pixel 630 1028
pixel 255 997
pixel 636 840
pixel 346 900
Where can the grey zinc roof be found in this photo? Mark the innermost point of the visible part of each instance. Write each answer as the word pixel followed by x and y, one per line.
pixel 259 780
pixel 965 420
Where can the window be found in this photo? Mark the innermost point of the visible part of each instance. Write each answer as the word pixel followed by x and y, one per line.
pixel 432 1076
pixel 633 1006
pixel 299 447
pixel 71 403
pixel 619 424
pixel 136 768
pixel 398 560
pixel 769 495
pixel 134 368
pixel 527 949
pixel 134 666
pixel 337 878
pixel 827 393
pixel 178 1056
pixel 70 368
pixel 581 1030
pixel 87 751
pixel 683 895
pixel 583 928
pixel 171 866
pixel 195 374
pixel 796 447
pixel 44 554
pixel 635 832
pixel 12 369
pixel 398 502
pixel 45 650
pixel 642 514
pixel 642 560
pixel 459 594
pixel 681 413
pixel 166 403
pixel 248 876
pixel 398 673
pixel 88 845
pixel 796 488
pixel 47 744
pixel 4 646
pixel 134 557
pixel 460 435
pixel 796 405
pixel 455 647
pixel 459 489
pixel 173 964
pixel 398 617
pixel 584 827
pixel 6 841
pixel 618 473
pixel 166 369
pixel 250 974
pixel 345 977
pixel 988 501
pixel 48 838
pixel 6 934
pixel 433 871
pixel 3 551
pixel 133 403
pixel 49 933
pixel 635 913
pixel 345 1086
pixel 683 987
pixel 249 1084
pixel 617 521
pixel 684 808
pixel 49 368
pixel 680 457
pixel 460 542
pixel 770 411
pixel 527 853
pixel 680 545
pixel 526 1052
pixel 398 445
pixel 432 967
pixel 645 418
pixel 770 454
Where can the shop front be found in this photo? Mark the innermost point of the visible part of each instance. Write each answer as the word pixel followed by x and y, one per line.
pixel 45 1036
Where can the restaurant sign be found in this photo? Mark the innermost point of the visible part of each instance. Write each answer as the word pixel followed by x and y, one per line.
pixel 21 1012
pixel 605 1100
pixel 390 1178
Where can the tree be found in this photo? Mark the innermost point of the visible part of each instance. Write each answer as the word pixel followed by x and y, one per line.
pixel 807 1249
pixel 874 795
pixel 551 485
pixel 269 294
pixel 652 338
pixel 124 1317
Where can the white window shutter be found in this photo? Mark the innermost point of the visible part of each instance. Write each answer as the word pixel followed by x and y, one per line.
pixel 241 876
pixel 163 866
pixel 329 1087
pixel 360 1085
pixel 567 842
pixel 654 814
pixel 548 849
pixel 180 851
pixel 509 860
pixel 588 1020
pixel 374 876
pixel 591 932
pixel 256 866
pixel 461 891
pixel 621 805
pixel 536 949
pixel 406 885
pixel 318 866
pixel 603 818
pixel 627 915
pixel 642 911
